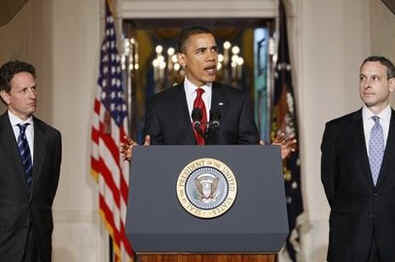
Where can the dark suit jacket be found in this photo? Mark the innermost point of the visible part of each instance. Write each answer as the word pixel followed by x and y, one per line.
pixel 168 121
pixel 357 206
pixel 18 208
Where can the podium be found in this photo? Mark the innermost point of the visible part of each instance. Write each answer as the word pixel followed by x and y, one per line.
pixel 254 228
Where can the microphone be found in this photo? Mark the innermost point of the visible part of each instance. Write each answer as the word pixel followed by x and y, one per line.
pixel 213 125
pixel 197 118
pixel 197 121
pixel 215 118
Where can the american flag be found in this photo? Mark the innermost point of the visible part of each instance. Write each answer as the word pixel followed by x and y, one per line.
pixel 109 128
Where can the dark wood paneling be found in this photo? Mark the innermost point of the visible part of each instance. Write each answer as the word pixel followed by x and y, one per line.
pixel 204 258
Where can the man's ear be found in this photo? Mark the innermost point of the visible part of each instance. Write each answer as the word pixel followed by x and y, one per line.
pixel 181 59
pixel 5 96
pixel 392 84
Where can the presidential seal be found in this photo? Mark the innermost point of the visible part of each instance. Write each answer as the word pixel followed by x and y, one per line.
pixel 206 188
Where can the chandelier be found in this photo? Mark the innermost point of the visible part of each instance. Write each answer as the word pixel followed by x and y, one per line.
pixel 167 70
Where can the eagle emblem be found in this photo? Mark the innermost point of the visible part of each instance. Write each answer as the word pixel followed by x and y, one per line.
pixel 206 186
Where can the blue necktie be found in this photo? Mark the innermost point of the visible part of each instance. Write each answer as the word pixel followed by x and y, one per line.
pixel 376 148
pixel 24 152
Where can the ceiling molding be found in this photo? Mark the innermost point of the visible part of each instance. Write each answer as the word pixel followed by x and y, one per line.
pixel 198 9
pixel 390 4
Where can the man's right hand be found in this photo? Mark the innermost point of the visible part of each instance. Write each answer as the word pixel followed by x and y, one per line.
pixel 127 147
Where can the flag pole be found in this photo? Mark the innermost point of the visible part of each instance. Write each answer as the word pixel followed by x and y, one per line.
pixel 110 249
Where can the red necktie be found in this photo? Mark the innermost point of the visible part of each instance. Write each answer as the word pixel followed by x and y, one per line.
pixel 199 103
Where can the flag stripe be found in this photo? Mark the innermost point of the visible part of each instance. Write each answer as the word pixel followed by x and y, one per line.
pixel 110 144
pixel 107 176
pixel 97 107
pixel 124 190
pixel 109 218
pixel 95 135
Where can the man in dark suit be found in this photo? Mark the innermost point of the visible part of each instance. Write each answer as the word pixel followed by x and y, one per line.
pixel 169 116
pixel 358 171
pixel 30 156
pixel 169 122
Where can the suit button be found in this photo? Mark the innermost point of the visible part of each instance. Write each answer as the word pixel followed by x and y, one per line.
pixel 375 195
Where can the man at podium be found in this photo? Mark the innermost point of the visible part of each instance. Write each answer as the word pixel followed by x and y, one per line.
pixel 201 111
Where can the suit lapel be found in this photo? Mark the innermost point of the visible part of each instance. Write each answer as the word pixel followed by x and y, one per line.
pixel 8 142
pixel 389 149
pixel 39 150
pixel 217 98
pixel 182 115
pixel 360 149
pixel 217 105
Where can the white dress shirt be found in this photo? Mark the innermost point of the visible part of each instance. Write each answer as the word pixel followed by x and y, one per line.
pixel 368 123
pixel 190 93
pixel 29 130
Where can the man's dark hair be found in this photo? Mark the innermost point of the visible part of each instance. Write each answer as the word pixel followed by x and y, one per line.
pixel 9 69
pixel 385 62
pixel 188 32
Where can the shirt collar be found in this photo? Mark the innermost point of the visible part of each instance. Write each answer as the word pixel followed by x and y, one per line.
pixel 384 115
pixel 191 88
pixel 15 120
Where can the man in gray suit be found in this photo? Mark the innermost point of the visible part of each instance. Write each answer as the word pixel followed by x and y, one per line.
pixel 358 171
pixel 30 156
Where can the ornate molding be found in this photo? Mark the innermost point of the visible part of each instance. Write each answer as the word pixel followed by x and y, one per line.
pixel 390 4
